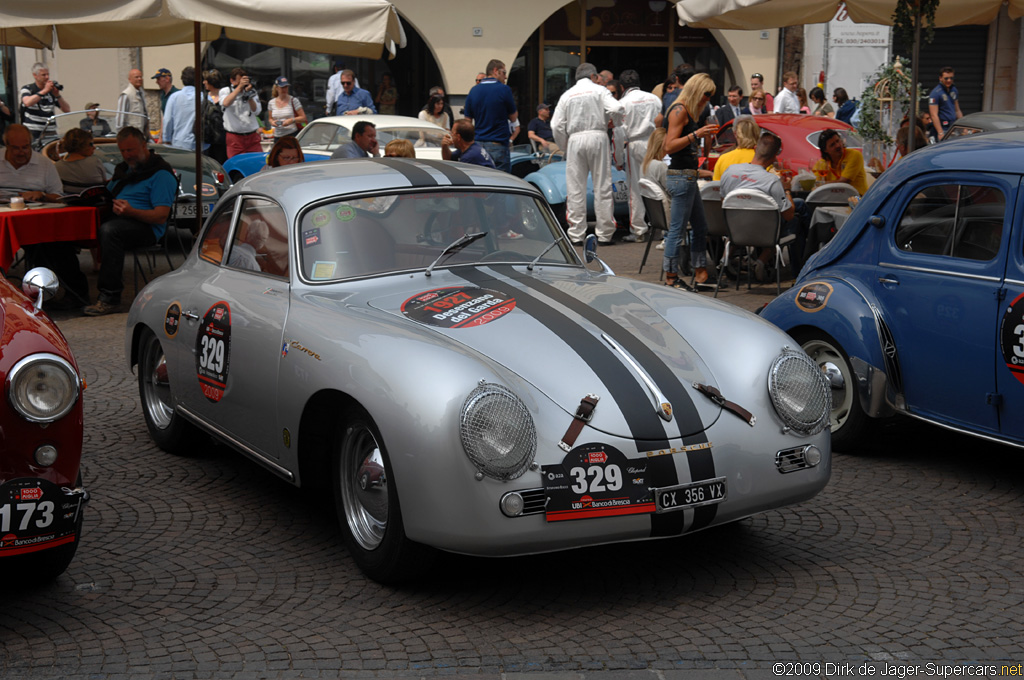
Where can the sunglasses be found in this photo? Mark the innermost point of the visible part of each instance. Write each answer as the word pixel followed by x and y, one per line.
pixel 757 99
pixel 346 82
pixel 709 95
pixel 757 75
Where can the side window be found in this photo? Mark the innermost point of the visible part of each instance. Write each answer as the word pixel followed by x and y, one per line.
pixel 261 239
pixel 960 221
pixel 216 234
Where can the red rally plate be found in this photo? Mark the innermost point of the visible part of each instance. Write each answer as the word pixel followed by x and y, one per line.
pixel 596 480
pixel 35 514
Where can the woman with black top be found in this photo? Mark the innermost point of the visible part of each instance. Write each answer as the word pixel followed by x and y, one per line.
pixel 682 143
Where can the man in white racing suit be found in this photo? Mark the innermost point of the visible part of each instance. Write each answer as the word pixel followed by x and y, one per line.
pixel 642 115
pixel 580 126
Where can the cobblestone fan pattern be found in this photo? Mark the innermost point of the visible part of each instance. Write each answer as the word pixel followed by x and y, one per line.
pixel 210 567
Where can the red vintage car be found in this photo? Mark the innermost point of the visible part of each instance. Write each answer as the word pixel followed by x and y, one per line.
pixel 41 493
pixel 799 134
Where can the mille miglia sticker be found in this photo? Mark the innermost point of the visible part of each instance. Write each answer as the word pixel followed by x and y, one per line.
pixel 814 296
pixel 461 307
pixel 213 351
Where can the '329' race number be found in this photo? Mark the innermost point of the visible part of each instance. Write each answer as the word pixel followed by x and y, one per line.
pixel 211 354
pixel 596 479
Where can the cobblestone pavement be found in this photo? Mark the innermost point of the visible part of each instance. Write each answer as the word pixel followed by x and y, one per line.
pixel 210 567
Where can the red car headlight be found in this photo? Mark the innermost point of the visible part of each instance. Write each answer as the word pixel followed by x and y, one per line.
pixel 42 388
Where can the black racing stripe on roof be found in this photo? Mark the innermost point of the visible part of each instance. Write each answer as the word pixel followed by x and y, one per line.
pixel 701 463
pixel 418 177
pixel 455 176
pixel 624 387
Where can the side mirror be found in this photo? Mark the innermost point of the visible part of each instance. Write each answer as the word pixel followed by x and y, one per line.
pixel 39 284
pixel 590 248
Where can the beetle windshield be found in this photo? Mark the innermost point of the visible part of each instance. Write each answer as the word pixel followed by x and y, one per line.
pixel 401 232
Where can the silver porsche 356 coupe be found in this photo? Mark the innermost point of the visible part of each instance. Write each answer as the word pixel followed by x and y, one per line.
pixel 359 324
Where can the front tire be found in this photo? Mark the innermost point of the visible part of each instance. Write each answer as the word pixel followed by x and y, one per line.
pixel 168 429
pixel 849 424
pixel 369 513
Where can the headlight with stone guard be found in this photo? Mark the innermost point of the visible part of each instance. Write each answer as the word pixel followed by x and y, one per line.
pixel 800 392
pixel 497 432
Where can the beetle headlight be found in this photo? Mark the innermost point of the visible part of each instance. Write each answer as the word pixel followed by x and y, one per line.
pixel 497 432
pixel 800 392
pixel 42 387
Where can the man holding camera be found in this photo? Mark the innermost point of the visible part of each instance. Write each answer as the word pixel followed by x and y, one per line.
pixel 131 105
pixel 241 107
pixel 39 99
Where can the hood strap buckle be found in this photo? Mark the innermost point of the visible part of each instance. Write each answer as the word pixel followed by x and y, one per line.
pixel 584 414
pixel 715 395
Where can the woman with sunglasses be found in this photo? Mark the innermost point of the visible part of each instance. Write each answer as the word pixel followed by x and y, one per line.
pixel 682 144
pixel 79 169
pixel 756 105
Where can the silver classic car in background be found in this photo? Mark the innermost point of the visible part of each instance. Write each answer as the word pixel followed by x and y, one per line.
pixel 358 325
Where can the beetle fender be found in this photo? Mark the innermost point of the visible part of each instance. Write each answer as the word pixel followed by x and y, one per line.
pixel 852 318
pixel 554 193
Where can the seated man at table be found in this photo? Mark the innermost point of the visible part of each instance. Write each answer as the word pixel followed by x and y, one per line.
pixel 754 175
pixel 143 187
pixel 37 179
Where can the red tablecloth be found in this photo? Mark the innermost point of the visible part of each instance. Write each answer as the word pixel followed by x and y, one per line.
pixel 44 225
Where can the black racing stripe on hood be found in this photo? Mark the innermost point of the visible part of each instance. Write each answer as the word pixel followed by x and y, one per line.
pixel 678 395
pixel 455 176
pixel 701 463
pixel 626 390
pixel 418 177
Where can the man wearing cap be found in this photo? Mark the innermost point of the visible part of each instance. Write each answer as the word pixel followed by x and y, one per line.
pixel 580 126
pixel 131 105
pixel 92 121
pixel 539 129
pixel 180 114
pixel 241 107
pixel 164 82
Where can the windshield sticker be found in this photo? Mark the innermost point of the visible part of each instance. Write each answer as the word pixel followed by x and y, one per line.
pixel 172 319
pixel 213 351
pixel 321 218
pixel 463 307
pixel 323 269
pixel 596 480
pixel 814 296
pixel 345 213
pixel 1011 337
pixel 311 237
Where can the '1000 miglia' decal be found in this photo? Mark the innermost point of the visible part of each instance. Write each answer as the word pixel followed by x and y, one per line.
pixel 213 351
pixel 462 307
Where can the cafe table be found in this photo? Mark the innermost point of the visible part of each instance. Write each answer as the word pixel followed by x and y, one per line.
pixel 825 222
pixel 44 223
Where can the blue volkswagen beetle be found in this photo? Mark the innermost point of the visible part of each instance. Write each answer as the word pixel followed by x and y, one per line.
pixel 916 307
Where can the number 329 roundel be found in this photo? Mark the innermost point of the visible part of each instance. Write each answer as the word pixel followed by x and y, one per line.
pixel 213 351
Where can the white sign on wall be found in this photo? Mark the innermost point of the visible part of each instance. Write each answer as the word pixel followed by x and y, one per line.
pixel 855 53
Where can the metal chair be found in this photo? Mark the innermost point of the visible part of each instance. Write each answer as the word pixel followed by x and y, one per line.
pixel 162 246
pixel 835 194
pixel 753 220
pixel 652 196
pixel 711 197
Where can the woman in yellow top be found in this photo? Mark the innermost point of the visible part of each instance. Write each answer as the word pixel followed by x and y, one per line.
pixel 747 133
pixel 839 164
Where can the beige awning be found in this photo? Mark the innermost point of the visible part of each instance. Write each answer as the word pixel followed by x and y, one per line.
pixel 761 14
pixel 356 28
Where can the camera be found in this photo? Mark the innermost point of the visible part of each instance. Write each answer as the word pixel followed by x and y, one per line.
pixel 58 86
pixel 249 92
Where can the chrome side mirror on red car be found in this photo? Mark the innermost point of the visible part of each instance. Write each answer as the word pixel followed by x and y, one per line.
pixel 39 284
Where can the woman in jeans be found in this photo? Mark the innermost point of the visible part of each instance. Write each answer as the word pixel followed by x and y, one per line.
pixel 682 143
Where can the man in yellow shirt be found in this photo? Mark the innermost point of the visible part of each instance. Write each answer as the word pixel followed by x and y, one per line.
pixel 839 164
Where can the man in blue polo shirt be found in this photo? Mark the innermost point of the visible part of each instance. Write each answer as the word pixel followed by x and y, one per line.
pixel 466 149
pixel 491 107
pixel 143 187
pixel 944 102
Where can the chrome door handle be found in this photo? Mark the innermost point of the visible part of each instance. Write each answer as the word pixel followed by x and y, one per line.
pixel 886 279
pixel 189 314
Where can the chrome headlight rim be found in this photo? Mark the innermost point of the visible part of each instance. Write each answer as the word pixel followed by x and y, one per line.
pixel 820 389
pixel 20 369
pixel 525 446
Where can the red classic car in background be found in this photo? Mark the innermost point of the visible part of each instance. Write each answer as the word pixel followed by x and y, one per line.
pixel 41 493
pixel 799 134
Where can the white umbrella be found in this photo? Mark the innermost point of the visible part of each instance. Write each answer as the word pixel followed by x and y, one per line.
pixel 354 28
pixel 761 14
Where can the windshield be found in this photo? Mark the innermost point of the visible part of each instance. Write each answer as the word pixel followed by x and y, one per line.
pixel 418 136
pixel 850 138
pixel 397 232
pixel 102 123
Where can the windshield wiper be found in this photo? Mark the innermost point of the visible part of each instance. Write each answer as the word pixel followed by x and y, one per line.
pixel 554 243
pixel 455 247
